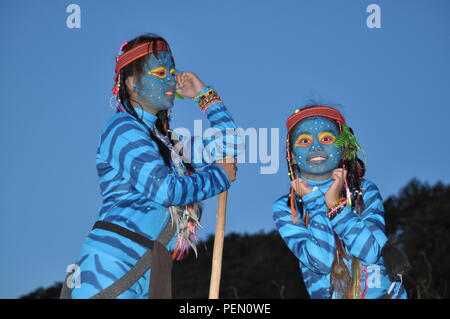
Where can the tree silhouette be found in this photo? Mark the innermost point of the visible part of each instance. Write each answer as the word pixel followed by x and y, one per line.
pixel 419 220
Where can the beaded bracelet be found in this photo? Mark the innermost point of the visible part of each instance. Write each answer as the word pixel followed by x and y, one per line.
pixel 204 93
pixel 337 208
pixel 205 100
pixel 337 205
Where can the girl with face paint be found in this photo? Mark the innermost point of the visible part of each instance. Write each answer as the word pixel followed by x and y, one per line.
pixel 151 191
pixel 155 89
pixel 332 219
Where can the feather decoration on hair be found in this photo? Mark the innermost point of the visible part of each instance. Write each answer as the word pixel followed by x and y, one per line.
pixel 348 142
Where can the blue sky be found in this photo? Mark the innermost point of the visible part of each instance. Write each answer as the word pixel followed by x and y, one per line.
pixel 265 58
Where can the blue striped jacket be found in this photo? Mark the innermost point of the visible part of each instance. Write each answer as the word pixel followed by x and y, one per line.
pixel 135 183
pixel 137 188
pixel 363 237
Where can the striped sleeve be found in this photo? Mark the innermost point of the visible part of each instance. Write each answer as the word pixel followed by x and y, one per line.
pixel 129 150
pixel 313 246
pixel 222 138
pixel 363 235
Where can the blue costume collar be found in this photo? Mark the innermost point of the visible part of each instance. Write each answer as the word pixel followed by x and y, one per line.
pixel 147 117
pixel 319 184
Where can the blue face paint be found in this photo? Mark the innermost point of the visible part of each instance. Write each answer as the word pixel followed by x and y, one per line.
pixel 313 145
pixel 156 89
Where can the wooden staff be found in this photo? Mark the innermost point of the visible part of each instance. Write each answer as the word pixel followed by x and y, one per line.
pixel 218 246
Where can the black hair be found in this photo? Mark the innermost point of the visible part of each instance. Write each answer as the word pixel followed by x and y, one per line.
pixel 136 68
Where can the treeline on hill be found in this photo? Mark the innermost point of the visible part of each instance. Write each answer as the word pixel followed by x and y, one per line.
pixel 261 265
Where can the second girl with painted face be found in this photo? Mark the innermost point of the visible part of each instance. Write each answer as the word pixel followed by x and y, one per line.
pixel 333 218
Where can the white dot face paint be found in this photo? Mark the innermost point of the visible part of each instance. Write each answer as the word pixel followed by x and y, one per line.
pixel 156 89
pixel 313 145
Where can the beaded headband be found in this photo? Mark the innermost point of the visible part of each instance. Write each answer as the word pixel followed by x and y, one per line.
pixel 125 58
pixel 323 111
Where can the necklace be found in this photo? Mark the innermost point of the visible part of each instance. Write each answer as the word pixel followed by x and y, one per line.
pixel 175 156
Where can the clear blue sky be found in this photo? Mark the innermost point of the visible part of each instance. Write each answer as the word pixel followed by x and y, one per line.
pixel 263 57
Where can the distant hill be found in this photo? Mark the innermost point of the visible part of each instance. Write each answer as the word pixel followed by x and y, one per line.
pixel 261 266
pixel 254 266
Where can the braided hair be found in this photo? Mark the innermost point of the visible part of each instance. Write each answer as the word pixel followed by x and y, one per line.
pixel 136 68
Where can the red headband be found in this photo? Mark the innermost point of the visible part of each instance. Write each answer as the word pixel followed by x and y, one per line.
pixel 123 59
pixel 323 111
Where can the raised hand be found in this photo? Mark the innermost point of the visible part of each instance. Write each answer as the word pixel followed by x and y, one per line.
pixel 188 84
pixel 301 187
pixel 333 193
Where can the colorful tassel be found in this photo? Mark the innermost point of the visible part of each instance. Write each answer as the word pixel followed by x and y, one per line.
pixel 187 223
pixel 348 193
pixel 356 280
pixel 292 204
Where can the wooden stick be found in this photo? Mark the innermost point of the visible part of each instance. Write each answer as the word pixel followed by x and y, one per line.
pixel 218 246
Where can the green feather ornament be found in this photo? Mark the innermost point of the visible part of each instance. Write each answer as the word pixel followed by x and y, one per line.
pixel 348 142
pixel 179 96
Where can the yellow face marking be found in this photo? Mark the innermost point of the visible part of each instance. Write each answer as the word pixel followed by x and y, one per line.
pixel 326 138
pixel 160 72
pixel 304 140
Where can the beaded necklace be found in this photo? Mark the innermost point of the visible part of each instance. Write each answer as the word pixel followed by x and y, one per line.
pixel 175 156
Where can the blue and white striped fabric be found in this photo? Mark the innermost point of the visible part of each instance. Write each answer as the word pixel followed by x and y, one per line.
pixel 363 237
pixel 137 188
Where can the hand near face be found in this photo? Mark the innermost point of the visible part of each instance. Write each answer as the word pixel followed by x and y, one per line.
pixel 301 187
pixel 188 84
pixel 333 193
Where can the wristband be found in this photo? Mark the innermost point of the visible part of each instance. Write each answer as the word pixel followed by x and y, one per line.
pixel 337 208
pixel 200 94
pixel 208 98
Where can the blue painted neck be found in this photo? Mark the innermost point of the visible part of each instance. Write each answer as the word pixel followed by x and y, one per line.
pixel 147 117
pixel 319 184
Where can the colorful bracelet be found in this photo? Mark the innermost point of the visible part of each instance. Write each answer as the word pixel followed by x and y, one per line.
pixel 203 92
pixel 339 204
pixel 337 208
pixel 208 98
